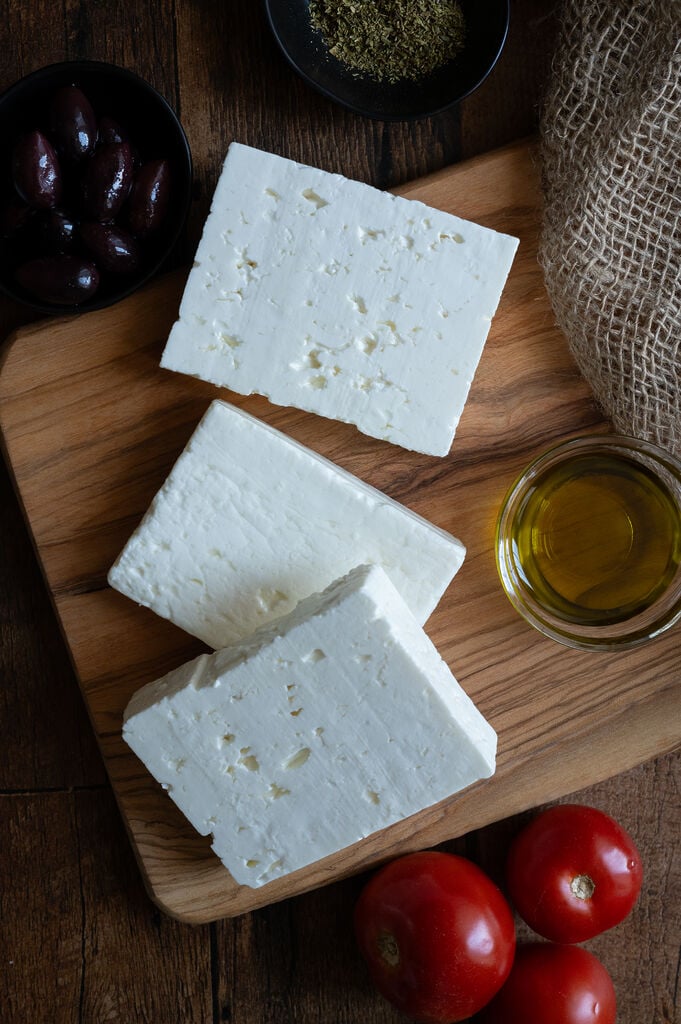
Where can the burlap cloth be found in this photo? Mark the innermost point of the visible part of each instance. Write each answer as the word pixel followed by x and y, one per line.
pixel 611 239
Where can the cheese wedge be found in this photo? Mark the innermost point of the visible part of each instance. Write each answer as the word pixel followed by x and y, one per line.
pixel 328 725
pixel 249 522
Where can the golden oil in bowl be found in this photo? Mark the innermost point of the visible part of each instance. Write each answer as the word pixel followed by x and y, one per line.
pixel 598 538
pixel 589 542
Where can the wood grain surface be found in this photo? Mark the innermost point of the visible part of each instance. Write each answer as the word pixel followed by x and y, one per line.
pixel 81 941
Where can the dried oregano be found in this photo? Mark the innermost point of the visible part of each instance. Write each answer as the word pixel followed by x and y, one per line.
pixel 390 40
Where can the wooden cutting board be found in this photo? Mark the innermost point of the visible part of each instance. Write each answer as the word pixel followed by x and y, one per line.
pixel 91 426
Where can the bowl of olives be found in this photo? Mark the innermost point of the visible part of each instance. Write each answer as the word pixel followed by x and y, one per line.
pixel 95 186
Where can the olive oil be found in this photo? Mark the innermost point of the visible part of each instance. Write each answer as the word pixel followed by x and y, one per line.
pixel 597 538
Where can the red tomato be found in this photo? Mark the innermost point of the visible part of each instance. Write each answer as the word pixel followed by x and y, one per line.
pixel 554 984
pixel 437 935
pixel 572 873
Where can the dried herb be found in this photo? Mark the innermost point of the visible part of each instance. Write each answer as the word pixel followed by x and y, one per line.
pixel 390 40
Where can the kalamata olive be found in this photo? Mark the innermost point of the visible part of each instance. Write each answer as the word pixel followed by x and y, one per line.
pixel 43 233
pixel 36 171
pixel 113 249
pixel 72 123
pixel 108 176
pixel 53 232
pixel 149 197
pixel 62 280
pixel 110 131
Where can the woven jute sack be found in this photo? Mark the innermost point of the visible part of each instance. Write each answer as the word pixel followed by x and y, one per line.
pixel 611 236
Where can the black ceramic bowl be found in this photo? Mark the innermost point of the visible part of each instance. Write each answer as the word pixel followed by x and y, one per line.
pixel 305 49
pixel 154 132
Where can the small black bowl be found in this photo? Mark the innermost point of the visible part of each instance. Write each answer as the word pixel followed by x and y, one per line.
pixel 155 132
pixel 307 52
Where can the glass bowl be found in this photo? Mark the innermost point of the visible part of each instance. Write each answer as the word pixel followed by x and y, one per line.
pixel 155 132
pixel 588 542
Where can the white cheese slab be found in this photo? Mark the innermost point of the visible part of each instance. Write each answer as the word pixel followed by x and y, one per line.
pixel 329 295
pixel 332 723
pixel 249 521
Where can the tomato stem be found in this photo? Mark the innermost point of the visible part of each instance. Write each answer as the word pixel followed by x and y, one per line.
pixel 390 951
pixel 583 887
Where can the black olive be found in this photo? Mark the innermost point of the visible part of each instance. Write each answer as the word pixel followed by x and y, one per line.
pixel 113 249
pixel 62 280
pixel 107 181
pixel 149 197
pixel 72 123
pixel 36 171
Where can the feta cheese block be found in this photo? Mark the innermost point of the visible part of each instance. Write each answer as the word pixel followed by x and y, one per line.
pixel 249 522
pixel 332 296
pixel 332 723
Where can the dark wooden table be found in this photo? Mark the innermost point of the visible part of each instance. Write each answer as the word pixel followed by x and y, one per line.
pixel 81 941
